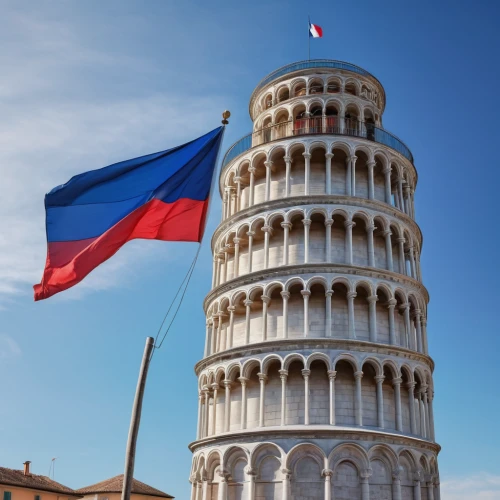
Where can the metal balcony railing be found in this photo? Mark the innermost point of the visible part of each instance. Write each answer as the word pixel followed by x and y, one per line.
pixel 313 126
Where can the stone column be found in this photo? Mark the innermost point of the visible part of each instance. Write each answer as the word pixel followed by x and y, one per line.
pixel 227 406
pixel 406 189
pixel 265 304
pixel 229 338
pixel 327 474
pixel 391 304
pixel 286 296
pixel 231 201
pixel 219 269
pixel 250 235
pixel 402 266
pixel 288 165
pixel 400 194
pixel 208 324
pixel 406 312
pixel 238 193
pixel 306 294
pixel 350 310
pixel 387 173
pixel 262 399
pixel 286 235
pixel 371 247
pixel 215 389
pixel 214 335
pixel 411 397
pixel 252 186
pixel 268 165
pixel 287 474
pixel 307 172
pixel 305 374
pixel 220 346
pixel 371 184
pixel 365 484
pixel 204 491
pixel 396 484
pixel 418 316
pixel 396 383
pixel 247 304
pixel 424 335
pixel 307 225
pixel 328 313
pixel 417 492
pixel 388 250
pixel 353 175
pixel 431 416
pixel 348 224
pixel 251 473
pixel 424 410
pixel 348 177
pixel 214 273
pixel 331 377
pixel 372 301
pixel 379 379
pixel 268 231
pixel 206 392
pixel 224 266
pixel 328 236
pixel 412 264
pixel 200 416
pixel 328 157
pixel 358 402
pixel 224 476
pixel 243 381
pixel 236 267
pixel 283 377
pixel 430 487
pixel 224 205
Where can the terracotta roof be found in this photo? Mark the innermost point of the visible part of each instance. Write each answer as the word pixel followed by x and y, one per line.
pixel 13 477
pixel 115 485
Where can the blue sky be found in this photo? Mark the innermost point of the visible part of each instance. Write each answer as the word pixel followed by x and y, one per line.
pixel 86 84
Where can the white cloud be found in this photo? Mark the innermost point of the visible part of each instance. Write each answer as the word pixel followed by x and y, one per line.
pixel 8 347
pixel 45 139
pixel 480 487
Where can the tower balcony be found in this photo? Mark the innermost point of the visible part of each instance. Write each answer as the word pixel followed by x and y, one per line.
pixel 317 125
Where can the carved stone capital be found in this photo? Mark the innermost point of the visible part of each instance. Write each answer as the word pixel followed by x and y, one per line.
pixel 306 155
pixel 286 225
pixel 306 373
pixel 331 374
pixel 328 293
pixel 379 379
pixel 329 156
pixel 283 374
pixel 305 293
pixel 372 298
pixel 227 384
pixel 397 381
pixel 306 222
pixel 358 375
pixel 268 163
pixel 266 299
pixel 366 474
pixel 328 222
pixel 285 295
pixel 349 223
pixel 262 377
pixel 392 303
pixel 231 309
pixel 287 159
pixel 250 233
pixel 243 381
pixel 236 241
pixel 267 229
pixel 248 302
pixel 327 473
pixel 351 295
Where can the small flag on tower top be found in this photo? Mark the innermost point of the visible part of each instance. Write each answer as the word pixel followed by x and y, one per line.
pixel 315 31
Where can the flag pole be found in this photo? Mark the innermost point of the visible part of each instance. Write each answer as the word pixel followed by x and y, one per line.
pixel 308 38
pixel 136 420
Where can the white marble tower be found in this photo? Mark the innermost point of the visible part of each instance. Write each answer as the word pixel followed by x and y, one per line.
pixel 316 383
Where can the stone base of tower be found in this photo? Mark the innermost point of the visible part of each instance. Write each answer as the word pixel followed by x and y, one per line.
pixel 314 463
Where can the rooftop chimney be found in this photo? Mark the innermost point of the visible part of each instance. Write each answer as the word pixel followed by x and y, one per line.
pixel 27 468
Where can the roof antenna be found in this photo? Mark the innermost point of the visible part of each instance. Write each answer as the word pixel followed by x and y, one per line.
pixel 53 467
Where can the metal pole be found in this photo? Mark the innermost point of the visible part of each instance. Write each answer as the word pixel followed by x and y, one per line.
pixel 136 420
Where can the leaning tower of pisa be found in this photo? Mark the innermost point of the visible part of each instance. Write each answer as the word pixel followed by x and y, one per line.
pixel 316 382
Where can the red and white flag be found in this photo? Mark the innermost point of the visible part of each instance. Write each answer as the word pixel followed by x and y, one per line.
pixel 315 31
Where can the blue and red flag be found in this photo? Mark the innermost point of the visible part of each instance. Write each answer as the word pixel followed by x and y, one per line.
pixel 162 196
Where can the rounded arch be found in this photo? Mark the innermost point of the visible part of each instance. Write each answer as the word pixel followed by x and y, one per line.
pixel 349 358
pixel 290 358
pixel 268 360
pixel 249 365
pixel 374 362
pixel 350 452
pixel 264 450
pixel 302 450
pixel 318 356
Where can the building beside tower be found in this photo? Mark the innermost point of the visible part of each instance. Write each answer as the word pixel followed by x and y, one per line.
pixel 316 381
